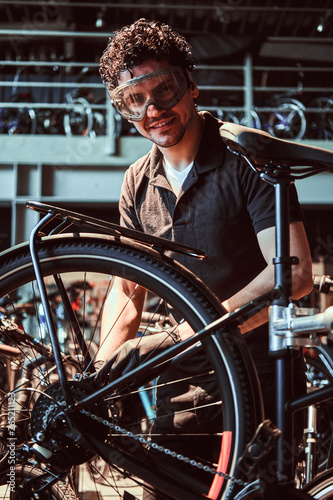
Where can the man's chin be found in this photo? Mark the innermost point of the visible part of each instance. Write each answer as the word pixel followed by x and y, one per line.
pixel 166 141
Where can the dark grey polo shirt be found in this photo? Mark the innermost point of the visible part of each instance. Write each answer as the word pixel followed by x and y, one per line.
pixel 221 208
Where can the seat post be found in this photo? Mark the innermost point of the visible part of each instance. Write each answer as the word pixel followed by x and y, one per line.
pixel 283 261
pixel 284 361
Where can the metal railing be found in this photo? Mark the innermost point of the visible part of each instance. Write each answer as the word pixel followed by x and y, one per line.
pixel 306 110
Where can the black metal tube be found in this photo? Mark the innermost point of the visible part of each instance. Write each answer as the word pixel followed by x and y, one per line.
pixel 46 306
pixel 312 398
pixel 282 260
pixel 284 363
pixel 284 421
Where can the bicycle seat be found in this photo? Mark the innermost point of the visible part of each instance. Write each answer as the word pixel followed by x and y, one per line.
pixel 263 150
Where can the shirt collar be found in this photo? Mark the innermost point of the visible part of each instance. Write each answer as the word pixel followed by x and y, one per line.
pixel 212 149
pixel 210 155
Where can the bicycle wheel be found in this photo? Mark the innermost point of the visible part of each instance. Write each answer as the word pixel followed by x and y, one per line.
pixel 17 121
pixel 254 119
pixel 226 408
pixel 288 121
pixel 28 483
pixel 321 487
pixel 79 119
pixel 321 120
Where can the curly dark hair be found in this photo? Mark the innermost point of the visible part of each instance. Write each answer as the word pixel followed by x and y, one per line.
pixel 142 40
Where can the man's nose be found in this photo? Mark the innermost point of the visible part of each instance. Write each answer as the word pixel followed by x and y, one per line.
pixel 152 109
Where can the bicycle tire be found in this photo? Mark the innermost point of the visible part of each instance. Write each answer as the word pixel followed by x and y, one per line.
pixel 79 119
pixel 288 121
pixel 254 119
pixel 321 487
pixel 28 480
pixel 234 373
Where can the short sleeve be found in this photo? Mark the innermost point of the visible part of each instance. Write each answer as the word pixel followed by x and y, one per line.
pixel 260 199
pixel 128 216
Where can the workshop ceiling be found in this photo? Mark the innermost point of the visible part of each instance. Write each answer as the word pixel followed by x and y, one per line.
pixel 290 18
pixel 266 21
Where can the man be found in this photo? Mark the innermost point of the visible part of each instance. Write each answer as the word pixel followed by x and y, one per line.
pixel 190 189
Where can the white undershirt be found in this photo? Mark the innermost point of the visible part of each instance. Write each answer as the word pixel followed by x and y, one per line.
pixel 175 177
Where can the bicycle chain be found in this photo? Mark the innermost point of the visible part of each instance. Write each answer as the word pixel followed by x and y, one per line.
pixel 161 449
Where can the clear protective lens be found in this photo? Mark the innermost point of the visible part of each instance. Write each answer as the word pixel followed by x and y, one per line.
pixel 163 88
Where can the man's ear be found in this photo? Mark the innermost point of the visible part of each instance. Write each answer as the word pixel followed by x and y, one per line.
pixel 194 90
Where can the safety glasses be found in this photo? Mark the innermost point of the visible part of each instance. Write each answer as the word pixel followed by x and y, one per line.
pixel 163 88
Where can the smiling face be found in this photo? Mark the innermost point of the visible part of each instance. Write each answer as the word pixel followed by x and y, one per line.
pixel 166 128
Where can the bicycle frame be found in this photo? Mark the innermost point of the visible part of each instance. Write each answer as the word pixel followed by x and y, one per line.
pixel 288 330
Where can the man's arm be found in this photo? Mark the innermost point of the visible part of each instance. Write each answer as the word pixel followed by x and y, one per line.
pixel 121 316
pixel 264 282
pixel 123 308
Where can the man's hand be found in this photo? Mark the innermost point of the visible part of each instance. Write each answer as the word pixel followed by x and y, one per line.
pixel 132 353
pixel 184 331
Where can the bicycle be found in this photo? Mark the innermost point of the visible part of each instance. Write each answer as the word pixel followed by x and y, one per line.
pixel 19 117
pixel 320 119
pixel 281 117
pixel 174 293
pixel 288 121
pixel 63 415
